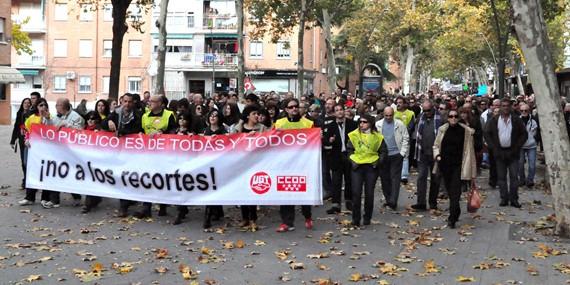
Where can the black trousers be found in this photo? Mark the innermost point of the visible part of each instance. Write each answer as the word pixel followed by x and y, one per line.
pixel 425 167
pixel 452 179
pixel 509 192
pixel 327 179
pixel 287 213
pixel 340 173
pixel 31 195
pixel 364 176
pixel 390 174
pixel 55 197
pixel 23 157
pixel 492 169
pixel 147 207
pixel 92 201
pixel 248 213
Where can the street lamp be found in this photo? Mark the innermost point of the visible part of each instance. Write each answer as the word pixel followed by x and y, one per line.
pixel 211 24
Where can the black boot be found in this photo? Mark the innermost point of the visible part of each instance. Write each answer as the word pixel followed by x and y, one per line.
pixel 162 211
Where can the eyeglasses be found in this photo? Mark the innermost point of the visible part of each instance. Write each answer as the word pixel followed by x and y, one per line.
pixel 91 119
pixel 452 116
pixel 42 105
pixel 526 111
pixel 363 122
pixel 292 106
pixel 427 110
pixel 441 108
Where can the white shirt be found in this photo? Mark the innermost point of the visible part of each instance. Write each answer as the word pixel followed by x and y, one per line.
pixel 70 120
pixel 341 130
pixel 505 131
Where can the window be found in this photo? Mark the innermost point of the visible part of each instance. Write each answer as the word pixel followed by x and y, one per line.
pixel 176 49
pixel 107 48
pixel 59 82
pixel 283 49
pixel 190 20
pixel 256 49
pixel 37 82
pixel 85 48
pixel 84 84
pixel 3 91
pixel 61 12
pixel 85 13
pixel 135 48
pixel 134 13
pixel 60 48
pixel 108 13
pixel 106 81
pixel 134 84
pixel 2 33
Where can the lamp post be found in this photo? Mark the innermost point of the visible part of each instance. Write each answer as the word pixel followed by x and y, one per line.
pixel 212 19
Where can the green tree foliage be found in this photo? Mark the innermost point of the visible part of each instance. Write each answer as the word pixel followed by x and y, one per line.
pixel 21 40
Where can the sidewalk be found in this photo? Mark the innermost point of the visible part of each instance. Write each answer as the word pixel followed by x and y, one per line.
pixel 62 245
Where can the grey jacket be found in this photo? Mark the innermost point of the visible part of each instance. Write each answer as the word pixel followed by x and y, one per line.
pixel 400 133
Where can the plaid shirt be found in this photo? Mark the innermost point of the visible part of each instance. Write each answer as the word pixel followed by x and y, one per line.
pixel 419 131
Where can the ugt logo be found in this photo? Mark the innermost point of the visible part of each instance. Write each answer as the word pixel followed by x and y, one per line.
pixel 260 182
pixel 292 183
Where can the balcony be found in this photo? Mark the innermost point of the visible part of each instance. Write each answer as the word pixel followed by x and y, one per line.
pixel 224 23
pixel 201 61
pixel 35 23
pixel 26 60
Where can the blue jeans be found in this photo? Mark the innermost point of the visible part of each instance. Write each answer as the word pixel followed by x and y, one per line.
pixel 528 155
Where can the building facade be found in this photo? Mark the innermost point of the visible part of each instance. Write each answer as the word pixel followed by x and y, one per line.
pixel 201 52
pixel 8 75
pixel 72 46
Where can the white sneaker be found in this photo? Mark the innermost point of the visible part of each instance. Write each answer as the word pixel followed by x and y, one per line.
pixel 25 202
pixel 47 205
pixel 54 205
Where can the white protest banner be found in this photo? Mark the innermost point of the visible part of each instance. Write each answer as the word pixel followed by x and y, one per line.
pixel 270 168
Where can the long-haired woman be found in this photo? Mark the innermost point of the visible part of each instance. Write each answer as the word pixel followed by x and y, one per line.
pixel 18 133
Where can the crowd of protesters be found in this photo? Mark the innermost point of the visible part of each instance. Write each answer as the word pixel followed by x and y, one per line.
pixel 448 138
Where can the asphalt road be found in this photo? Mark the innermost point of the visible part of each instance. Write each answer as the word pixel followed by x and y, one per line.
pixel 63 246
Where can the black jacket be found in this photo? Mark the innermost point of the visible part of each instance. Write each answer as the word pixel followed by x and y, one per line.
pixel 518 138
pixel 334 149
pixel 16 131
pixel 133 127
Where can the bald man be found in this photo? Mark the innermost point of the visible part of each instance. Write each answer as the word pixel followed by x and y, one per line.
pixel 66 118
pixel 397 140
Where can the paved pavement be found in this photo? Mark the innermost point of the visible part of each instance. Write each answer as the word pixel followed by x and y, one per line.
pixel 62 246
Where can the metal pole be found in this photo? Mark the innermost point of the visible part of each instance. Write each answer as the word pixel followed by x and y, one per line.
pixel 213 60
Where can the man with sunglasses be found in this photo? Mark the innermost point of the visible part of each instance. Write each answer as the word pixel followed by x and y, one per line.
pixel 528 151
pixel 293 120
pixel 426 132
pixel 505 135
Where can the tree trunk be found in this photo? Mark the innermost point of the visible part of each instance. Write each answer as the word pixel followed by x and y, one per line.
pixel 531 32
pixel 241 60
pixel 119 29
pixel 520 85
pixel 300 56
pixel 161 58
pixel 501 77
pixel 408 69
pixel 331 64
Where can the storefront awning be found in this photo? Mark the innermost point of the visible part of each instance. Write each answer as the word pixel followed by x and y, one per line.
pixel 29 72
pixel 10 75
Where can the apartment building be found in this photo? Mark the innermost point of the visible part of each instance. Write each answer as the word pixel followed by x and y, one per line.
pixel 72 46
pixel 8 75
pixel 202 52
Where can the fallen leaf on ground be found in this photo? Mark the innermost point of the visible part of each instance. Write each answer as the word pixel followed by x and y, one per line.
pixel 462 278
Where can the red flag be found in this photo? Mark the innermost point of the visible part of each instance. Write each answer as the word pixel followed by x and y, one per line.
pixel 248 84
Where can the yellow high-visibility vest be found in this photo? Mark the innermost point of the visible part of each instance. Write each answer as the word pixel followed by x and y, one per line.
pixel 285 124
pixel 154 124
pixel 366 146
pixel 406 116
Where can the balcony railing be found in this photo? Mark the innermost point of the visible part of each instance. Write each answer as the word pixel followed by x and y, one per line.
pixel 34 24
pixel 202 60
pixel 31 60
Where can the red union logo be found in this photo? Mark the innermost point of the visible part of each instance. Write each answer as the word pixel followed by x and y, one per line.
pixel 292 183
pixel 260 183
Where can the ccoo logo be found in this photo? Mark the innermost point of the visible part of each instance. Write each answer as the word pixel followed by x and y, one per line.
pixel 260 183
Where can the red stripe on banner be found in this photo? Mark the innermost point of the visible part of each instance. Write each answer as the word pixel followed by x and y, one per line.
pixel 282 139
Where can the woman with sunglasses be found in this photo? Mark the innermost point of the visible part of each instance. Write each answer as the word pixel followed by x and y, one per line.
pixel 366 150
pixel 41 115
pixel 93 123
pixel 454 151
